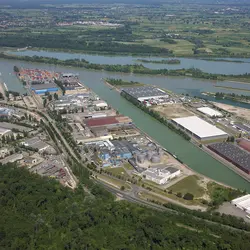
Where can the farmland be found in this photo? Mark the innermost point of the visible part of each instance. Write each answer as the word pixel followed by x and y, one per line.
pixel 167 29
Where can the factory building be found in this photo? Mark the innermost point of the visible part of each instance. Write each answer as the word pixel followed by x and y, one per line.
pixel 233 154
pixel 210 112
pixel 36 143
pixel 243 203
pixel 100 104
pixel 200 129
pixel 145 93
pixel 41 89
pixel 161 175
pixel 11 158
pixel 111 121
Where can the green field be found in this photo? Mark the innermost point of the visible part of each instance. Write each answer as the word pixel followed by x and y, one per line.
pixel 188 185
pixel 118 171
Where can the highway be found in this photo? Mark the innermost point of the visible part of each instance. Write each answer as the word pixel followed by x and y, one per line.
pixel 126 196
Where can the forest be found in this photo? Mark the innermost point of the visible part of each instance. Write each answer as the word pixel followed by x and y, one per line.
pixel 39 213
pixel 122 83
pixel 69 42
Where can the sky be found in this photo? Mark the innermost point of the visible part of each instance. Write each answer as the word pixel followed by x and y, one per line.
pixel 35 2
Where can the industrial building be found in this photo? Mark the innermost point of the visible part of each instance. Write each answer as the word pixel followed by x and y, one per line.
pixel 210 112
pixel 243 203
pixel 110 121
pixel 118 149
pixel 161 175
pixel 5 112
pixel 5 132
pixel 11 158
pixel 100 104
pixel 36 143
pixel 200 129
pixel 233 154
pixel 145 93
pixel 41 89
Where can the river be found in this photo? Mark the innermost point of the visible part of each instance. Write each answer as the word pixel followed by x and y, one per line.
pixel 204 65
pixel 187 152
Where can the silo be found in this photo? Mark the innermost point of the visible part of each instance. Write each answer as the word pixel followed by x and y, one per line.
pixel 149 155
pixel 156 159
pixel 160 152
pixel 140 158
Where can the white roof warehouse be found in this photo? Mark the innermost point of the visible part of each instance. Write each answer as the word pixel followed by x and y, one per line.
pixel 199 128
pixel 243 203
pixel 210 112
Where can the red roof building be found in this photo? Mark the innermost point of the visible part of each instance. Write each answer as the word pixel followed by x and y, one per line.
pixel 245 144
pixel 102 121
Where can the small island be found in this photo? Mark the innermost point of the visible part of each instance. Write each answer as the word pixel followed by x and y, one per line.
pixel 164 61
pixel 118 83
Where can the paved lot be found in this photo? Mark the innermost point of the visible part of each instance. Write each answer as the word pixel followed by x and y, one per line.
pixel 228 208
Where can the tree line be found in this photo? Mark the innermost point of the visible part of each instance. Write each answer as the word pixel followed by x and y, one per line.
pixel 77 42
pixel 135 68
pixel 120 82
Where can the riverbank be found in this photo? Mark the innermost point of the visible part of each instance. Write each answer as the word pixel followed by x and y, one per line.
pixel 136 69
pixel 169 61
pixel 115 54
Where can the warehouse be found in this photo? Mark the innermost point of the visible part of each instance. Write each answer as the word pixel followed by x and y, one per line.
pixel 200 129
pixel 145 93
pixel 5 132
pixel 41 89
pixel 210 112
pixel 110 121
pixel 243 203
pixel 36 143
pixel 233 154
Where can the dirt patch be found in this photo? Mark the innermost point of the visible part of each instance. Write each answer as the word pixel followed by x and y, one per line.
pixel 241 112
pixel 171 111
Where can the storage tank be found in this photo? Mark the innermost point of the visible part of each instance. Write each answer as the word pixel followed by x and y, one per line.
pixel 149 155
pixel 156 159
pixel 140 158
pixel 160 152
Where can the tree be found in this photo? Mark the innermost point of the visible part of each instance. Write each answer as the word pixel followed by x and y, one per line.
pixel 122 188
pixel 16 69
pixel 179 194
pixel 50 97
pixel 188 196
pixel 44 102
pixel 56 96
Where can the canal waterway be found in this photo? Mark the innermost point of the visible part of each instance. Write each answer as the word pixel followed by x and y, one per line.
pixel 187 152
pixel 217 67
